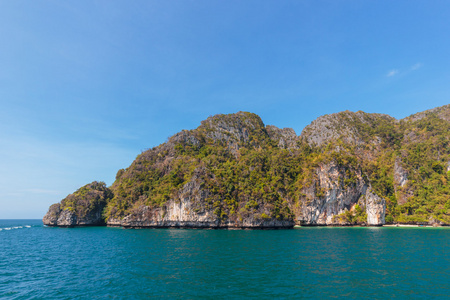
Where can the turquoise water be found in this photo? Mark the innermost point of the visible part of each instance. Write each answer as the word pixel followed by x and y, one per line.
pixel 39 262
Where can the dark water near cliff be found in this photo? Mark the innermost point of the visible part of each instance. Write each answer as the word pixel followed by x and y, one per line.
pixel 37 262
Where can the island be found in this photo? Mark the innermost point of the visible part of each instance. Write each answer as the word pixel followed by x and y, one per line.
pixel 233 171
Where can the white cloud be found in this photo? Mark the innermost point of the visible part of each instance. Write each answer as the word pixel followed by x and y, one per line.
pixel 392 73
pixel 416 66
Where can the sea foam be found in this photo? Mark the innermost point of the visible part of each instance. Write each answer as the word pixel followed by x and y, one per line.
pixel 15 227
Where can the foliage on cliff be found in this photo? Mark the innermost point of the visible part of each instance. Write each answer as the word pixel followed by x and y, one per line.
pixel 425 156
pixel 419 144
pixel 244 164
pixel 240 167
pixel 91 197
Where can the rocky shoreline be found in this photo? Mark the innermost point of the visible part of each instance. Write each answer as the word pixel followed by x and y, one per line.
pixel 252 227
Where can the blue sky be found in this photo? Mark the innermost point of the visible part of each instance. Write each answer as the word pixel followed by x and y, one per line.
pixel 85 86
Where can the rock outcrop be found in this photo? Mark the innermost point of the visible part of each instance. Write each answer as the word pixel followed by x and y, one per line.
pixel 82 208
pixel 52 216
pixel 400 183
pixel 335 191
pixel 285 138
pixel 375 208
pixel 180 214
pixel 189 209
pixel 349 127
pixel 442 112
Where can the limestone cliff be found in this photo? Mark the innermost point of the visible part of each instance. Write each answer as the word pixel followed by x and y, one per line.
pixel 190 209
pixel 285 138
pixel 401 183
pixel 352 128
pixel 375 208
pixel 335 191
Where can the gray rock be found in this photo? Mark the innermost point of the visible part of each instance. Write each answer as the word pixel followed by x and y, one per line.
pixel 82 208
pixel 286 138
pixel 51 217
pixel 189 209
pixel 375 208
pixel 328 197
pixel 401 183
pixel 350 127
pixel 442 112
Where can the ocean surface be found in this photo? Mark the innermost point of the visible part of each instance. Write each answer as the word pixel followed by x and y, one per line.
pixel 38 262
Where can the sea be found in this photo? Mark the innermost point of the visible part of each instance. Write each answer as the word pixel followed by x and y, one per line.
pixel 38 262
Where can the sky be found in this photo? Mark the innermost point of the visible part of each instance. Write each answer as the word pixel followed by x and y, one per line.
pixel 86 86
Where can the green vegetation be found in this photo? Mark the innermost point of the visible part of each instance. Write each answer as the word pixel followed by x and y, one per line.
pixel 425 156
pixel 242 170
pixel 233 166
pixel 91 198
pixel 420 145
pixel 357 216
pixel 238 180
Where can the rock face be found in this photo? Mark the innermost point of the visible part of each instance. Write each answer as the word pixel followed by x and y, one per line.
pixel 400 183
pixel 375 208
pixel 352 128
pixel 400 175
pixel 286 137
pixel 442 112
pixel 180 214
pixel 82 208
pixel 51 218
pixel 233 130
pixel 189 210
pixel 329 196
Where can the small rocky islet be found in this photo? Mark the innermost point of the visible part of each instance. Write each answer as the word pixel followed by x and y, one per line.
pixel 344 169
